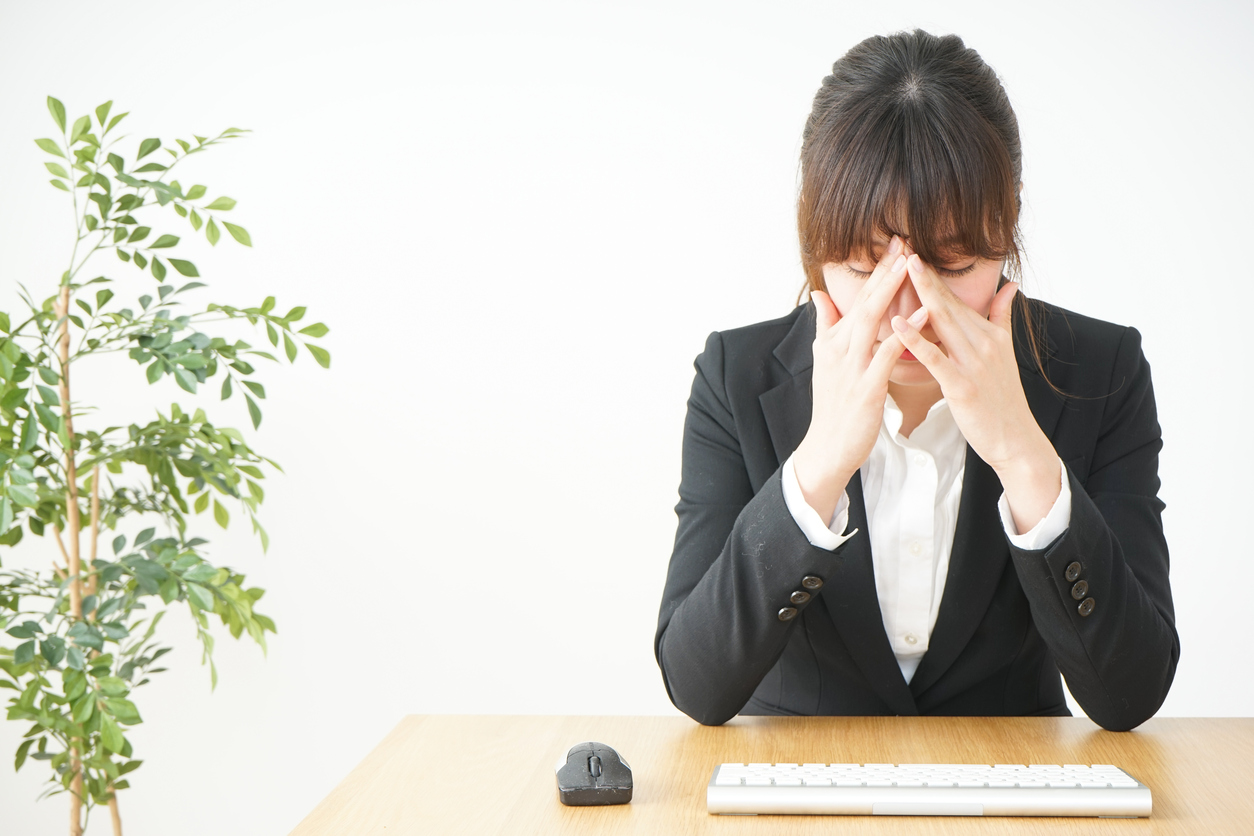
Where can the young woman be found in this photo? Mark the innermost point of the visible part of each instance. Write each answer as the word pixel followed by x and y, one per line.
pixel 921 492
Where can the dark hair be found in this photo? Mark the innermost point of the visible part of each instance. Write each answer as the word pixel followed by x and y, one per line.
pixel 912 133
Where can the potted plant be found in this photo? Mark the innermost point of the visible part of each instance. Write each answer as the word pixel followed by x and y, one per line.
pixel 81 636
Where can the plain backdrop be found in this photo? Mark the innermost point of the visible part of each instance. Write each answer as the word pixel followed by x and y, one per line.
pixel 521 221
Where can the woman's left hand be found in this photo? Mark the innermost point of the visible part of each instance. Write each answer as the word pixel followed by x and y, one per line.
pixel 980 377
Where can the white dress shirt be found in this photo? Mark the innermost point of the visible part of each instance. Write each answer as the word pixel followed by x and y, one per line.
pixel 912 487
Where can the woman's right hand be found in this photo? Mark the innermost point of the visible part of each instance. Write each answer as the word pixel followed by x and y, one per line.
pixel 850 383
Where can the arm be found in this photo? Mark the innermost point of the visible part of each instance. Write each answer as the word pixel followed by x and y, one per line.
pixel 738 558
pixel 1120 658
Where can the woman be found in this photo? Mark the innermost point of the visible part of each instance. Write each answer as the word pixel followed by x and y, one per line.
pixel 921 492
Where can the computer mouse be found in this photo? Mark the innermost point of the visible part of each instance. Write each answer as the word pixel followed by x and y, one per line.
pixel 593 774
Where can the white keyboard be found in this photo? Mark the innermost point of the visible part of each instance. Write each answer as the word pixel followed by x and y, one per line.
pixel 925 789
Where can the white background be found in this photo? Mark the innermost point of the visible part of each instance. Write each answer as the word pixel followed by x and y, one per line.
pixel 521 220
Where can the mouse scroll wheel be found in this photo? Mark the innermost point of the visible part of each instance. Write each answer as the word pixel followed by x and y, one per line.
pixel 594 766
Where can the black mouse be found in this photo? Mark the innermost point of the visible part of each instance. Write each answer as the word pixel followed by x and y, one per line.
pixel 593 774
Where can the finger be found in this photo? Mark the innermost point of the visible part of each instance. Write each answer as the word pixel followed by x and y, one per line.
pixel 999 311
pixel 928 353
pixel 825 311
pixel 882 269
pixel 886 356
pixel 952 319
pixel 870 312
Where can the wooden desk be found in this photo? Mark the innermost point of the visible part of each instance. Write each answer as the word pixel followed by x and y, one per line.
pixel 439 774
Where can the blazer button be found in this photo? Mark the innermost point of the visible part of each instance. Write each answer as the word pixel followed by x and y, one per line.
pixel 812 582
pixel 1080 589
pixel 789 613
pixel 1086 606
pixel 799 597
pixel 1073 571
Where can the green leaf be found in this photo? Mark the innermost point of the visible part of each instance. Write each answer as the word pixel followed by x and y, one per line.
pixel 184 267
pixel 164 241
pixel 267 305
pixel 58 112
pixel 320 354
pixel 25 653
pixel 50 146
pixel 115 120
pixel 85 708
pixel 220 515
pixel 256 388
pixel 226 388
pixel 119 543
pixel 295 313
pixel 186 380
pixel 81 126
pixel 49 376
pixel 289 347
pixel 110 734
pixel 103 296
pixel 6 514
pixel 124 710
pixel 150 167
pixel 254 411
pixel 102 112
pixel 147 147
pixel 155 370
pixel 202 502
pixel 139 234
pixel 238 233
pixel 23 495
pixel 222 204
pixel 211 233
pixel 60 185
pixel 158 269
pixel 21 754
pixel 315 330
pixel 141 260
pixel 200 596
pixel 196 221
pixel 54 168
pixel 30 434
pixel 196 192
pixel 272 334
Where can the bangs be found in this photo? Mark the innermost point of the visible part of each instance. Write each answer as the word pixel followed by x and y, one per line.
pixel 927 168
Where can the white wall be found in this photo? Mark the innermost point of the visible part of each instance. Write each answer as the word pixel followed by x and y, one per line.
pixel 521 221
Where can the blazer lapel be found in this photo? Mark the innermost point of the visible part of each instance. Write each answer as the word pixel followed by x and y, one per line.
pixel 980 550
pixel 849 596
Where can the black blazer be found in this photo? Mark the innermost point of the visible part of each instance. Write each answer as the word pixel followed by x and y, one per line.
pixel 1009 619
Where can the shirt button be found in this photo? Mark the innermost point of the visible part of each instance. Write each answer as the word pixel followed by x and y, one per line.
pixel 1086 606
pixel 915 548
pixel 787 614
pixel 1080 590
pixel 911 638
pixel 1073 571
pixel 812 582
pixel 799 597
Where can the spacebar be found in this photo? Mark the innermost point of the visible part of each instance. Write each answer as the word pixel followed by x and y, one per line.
pixel 925 808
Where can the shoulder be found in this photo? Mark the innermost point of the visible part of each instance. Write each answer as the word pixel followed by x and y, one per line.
pixel 760 355
pixel 1083 350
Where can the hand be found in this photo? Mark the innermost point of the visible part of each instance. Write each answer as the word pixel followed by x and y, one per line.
pixel 850 384
pixel 977 373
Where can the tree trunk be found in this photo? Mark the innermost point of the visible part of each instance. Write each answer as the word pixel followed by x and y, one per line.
pixel 73 523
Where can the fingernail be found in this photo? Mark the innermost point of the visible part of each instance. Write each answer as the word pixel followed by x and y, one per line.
pixel 916 318
pixel 899 325
pixel 915 262
pixel 894 246
pixel 899 263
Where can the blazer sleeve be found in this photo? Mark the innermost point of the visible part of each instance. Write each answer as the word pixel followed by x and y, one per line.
pixel 1099 593
pixel 738 558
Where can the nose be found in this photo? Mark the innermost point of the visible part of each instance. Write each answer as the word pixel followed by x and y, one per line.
pixel 904 303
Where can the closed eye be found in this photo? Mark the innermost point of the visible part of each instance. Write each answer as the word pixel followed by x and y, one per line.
pixel 942 271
